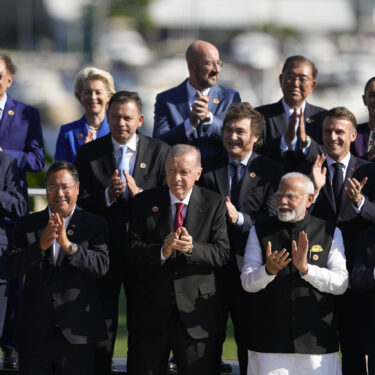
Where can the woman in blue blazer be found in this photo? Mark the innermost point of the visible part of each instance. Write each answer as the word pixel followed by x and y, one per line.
pixel 93 88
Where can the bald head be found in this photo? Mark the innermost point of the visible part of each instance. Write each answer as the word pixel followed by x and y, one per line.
pixel 203 63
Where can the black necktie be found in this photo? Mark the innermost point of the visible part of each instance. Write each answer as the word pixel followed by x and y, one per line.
pixel 236 182
pixel 337 181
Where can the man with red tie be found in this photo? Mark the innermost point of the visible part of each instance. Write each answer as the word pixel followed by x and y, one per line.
pixel 178 240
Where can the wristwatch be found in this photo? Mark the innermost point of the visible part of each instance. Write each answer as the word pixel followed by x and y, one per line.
pixel 304 144
pixel 73 249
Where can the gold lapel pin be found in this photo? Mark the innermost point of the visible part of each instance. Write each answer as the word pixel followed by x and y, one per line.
pixel 142 165
pixel 315 257
pixel 155 209
pixel 70 232
pixel 252 175
pixel 308 120
pixel 11 112
pixel 216 101
pixel 80 136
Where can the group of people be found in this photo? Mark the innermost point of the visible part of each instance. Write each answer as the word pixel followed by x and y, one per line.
pixel 265 214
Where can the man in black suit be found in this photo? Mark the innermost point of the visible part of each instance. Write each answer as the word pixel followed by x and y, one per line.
pixel 248 182
pixel 12 205
pixel 60 251
pixel 292 133
pixel 345 195
pixel 113 169
pixel 178 240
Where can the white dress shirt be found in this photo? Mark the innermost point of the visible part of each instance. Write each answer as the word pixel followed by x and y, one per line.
pixel 2 105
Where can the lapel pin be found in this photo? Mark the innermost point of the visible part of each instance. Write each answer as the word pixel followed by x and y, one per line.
pixel 315 257
pixel 252 175
pixel 73 225
pixel 316 249
pixel 142 165
pixel 216 101
pixel 70 232
pixel 80 136
pixel 352 169
pixel 155 209
pixel 11 112
pixel 308 120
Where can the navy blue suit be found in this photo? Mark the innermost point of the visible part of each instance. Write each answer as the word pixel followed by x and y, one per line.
pixel 276 126
pixel 172 109
pixel 72 136
pixel 360 145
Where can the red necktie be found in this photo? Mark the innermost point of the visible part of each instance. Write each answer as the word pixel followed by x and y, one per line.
pixel 178 217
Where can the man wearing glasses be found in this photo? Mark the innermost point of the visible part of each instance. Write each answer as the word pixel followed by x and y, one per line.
pixel 193 111
pixel 60 251
pixel 292 133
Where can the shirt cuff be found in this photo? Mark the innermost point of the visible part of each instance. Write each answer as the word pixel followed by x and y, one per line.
pixel 106 195
pixel 306 149
pixel 208 119
pixel 240 220
pixel 283 145
pixel 162 257
pixel 189 130
pixel 358 208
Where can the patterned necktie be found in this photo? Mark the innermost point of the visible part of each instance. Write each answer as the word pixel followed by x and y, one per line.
pixel 178 217
pixel 337 181
pixel 236 182
pixel 123 163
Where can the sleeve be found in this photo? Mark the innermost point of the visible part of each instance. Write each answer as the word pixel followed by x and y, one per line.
pixel 61 146
pixel 333 279
pixel 254 276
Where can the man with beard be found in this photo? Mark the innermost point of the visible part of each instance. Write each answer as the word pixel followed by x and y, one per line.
pixel 193 111
pixel 294 264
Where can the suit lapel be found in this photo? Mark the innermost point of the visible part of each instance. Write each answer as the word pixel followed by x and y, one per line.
pixel 81 132
pixel 195 215
pixel 216 96
pixel 279 119
pixel 327 189
pixel 182 100
pixel 162 214
pixel 345 201
pixel 248 178
pixel 107 160
pixel 141 160
pixel 8 116
pixel 222 177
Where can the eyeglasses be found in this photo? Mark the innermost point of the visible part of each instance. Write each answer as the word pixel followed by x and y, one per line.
pixel 211 64
pixel 55 189
pixel 289 196
pixel 291 77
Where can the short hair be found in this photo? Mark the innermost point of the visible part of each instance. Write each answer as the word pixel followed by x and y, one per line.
pixel 60 165
pixel 126 97
pixel 244 110
pixel 183 149
pixel 298 60
pixel 92 74
pixel 341 112
pixel 309 185
pixel 11 68
pixel 368 84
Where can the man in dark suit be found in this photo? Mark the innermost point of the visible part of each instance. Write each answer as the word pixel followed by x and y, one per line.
pixel 20 137
pixel 248 182
pixel 193 111
pixel 61 251
pixel 345 195
pixel 292 133
pixel 12 205
pixel 364 145
pixel 178 241
pixel 113 169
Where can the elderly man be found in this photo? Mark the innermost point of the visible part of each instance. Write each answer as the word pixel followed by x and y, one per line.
pixel 20 137
pixel 293 127
pixel 294 264
pixel 60 251
pixel 193 111
pixel 179 241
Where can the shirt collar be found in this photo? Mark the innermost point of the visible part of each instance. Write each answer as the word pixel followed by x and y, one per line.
pixel 3 101
pixel 344 161
pixel 192 91
pixel 132 144
pixel 67 219
pixel 289 110
pixel 243 161
pixel 175 200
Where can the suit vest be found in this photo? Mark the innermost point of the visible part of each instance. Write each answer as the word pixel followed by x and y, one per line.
pixel 294 316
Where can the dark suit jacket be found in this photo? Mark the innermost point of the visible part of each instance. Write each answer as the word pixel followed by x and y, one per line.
pixel 21 137
pixel 360 145
pixel 257 194
pixel 172 109
pixel 65 293
pixel 276 126
pixel 72 136
pixel 350 223
pixel 96 164
pixel 188 281
pixel 362 280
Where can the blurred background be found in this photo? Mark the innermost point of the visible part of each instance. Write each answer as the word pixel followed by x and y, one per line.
pixel 143 42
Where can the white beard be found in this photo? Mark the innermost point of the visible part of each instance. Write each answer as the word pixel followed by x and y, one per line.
pixel 290 216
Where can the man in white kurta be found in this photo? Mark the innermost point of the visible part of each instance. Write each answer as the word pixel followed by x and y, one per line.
pixel 296 335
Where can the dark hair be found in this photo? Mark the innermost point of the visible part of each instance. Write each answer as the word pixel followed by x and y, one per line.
pixel 60 165
pixel 368 83
pixel 341 112
pixel 245 110
pixel 126 97
pixel 11 68
pixel 298 60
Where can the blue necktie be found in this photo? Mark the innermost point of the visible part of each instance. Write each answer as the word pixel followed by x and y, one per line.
pixel 123 164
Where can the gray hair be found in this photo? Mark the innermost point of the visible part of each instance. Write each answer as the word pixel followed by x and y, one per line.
pixel 183 149
pixel 309 186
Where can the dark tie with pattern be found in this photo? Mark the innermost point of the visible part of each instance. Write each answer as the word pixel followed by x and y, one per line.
pixel 178 217
pixel 236 182
pixel 337 181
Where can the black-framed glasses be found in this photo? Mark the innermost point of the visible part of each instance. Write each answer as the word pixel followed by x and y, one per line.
pixel 291 77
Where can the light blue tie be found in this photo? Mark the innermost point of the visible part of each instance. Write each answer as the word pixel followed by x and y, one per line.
pixel 123 164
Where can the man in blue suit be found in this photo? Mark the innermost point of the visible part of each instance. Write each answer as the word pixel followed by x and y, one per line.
pixel 20 137
pixel 193 112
